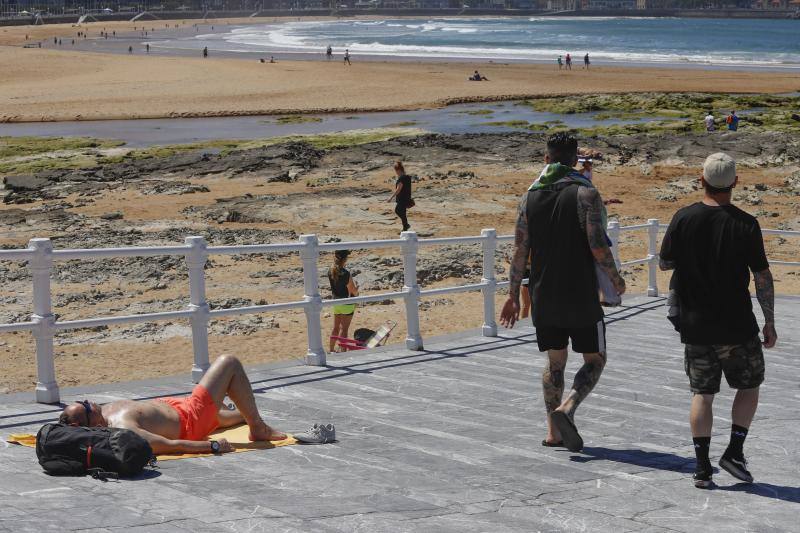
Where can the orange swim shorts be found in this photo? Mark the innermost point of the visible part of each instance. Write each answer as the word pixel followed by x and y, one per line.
pixel 198 413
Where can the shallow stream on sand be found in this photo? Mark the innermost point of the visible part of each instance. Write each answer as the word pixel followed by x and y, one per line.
pixel 462 118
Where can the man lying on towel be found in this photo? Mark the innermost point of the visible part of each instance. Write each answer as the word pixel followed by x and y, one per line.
pixel 181 425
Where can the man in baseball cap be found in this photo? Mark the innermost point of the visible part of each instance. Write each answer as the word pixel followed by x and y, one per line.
pixel 713 246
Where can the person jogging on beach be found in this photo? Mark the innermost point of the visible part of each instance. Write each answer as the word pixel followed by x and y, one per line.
pixel 182 425
pixel 342 286
pixel 560 225
pixel 713 246
pixel 586 61
pixel 402 194
pixel 347 56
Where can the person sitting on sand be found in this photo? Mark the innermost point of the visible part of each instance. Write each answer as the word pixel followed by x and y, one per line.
pixel 271 59
pixel 182 425
pixel 477 77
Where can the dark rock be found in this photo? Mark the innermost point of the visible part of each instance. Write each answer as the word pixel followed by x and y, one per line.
pixel 112 216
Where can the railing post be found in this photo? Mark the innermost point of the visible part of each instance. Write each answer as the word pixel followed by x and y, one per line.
pixel 652 257
pixel 40 266
pixel 489 247
pixel 410 246
pixel 310 258
pixel 196 259
pixel 613 234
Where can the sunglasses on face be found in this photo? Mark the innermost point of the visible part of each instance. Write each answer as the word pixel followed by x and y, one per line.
pixel 86 405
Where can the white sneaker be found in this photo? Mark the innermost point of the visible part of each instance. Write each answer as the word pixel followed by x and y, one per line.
pixel 318 434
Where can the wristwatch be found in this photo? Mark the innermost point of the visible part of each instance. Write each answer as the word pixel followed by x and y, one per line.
pixel 214 446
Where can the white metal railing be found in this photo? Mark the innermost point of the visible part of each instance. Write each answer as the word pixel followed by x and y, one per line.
pixel 40 257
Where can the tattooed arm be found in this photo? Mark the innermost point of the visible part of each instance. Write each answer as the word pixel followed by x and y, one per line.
pixel 510 312
pixel 765 292
pixel 590 215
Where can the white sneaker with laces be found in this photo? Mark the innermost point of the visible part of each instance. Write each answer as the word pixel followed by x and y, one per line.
pixel 318 434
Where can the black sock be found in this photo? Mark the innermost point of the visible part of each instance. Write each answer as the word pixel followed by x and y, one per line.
pixel 738 434
pixel 701 446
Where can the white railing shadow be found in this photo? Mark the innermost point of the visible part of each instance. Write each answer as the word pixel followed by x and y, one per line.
pixel 41 256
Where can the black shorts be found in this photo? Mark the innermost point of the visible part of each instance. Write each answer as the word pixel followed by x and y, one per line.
pixel 587 339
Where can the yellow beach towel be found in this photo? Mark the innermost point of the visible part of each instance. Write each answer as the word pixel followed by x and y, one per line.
pixel 236 435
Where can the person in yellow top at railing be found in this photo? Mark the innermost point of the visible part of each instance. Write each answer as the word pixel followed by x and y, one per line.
pixel 342 286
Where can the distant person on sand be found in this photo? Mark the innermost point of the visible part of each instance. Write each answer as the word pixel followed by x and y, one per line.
pixel 586 164
pixel 402 194
pixel 569 62
pixel 713 246
pixel 329 53
pixel 347 56
pixel 205 51
pixel 732 121
pixel 709 120
pixel 586 61
pixel 147 47
pixel 342 286
pixel 565 300
pixel 271 59
pixel 560 63
pixel 476 76
pixel 130 49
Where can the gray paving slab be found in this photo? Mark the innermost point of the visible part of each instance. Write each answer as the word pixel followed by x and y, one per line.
pixel 443 440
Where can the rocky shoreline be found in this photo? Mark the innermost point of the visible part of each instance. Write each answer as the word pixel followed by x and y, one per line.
pixel 274 193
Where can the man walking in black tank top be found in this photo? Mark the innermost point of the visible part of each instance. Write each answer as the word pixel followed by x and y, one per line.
pixel 713 246
pixel 560 223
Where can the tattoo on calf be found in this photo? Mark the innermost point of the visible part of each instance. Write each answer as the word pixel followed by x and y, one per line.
pixel 585 380
pixel 552 385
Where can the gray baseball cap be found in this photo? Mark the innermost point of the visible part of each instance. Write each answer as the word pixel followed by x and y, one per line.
pixel 719 170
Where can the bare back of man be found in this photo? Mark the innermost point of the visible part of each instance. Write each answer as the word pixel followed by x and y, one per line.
pixel 162 423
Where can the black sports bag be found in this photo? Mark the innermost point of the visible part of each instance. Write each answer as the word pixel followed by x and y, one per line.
pixel 102 452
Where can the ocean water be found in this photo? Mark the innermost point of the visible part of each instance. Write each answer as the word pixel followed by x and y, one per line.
pixel 749 43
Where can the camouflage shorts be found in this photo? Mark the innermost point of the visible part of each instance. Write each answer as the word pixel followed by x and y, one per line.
pixel 742 364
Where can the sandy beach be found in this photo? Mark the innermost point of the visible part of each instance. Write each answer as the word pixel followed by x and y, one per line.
pixel 57 84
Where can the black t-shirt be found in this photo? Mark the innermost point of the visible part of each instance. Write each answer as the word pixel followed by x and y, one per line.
pixel 404 196
pixel 712 248
pixel 339 285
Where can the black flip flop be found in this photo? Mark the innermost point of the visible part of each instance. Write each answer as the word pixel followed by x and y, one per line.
pixel 559 444
pixel 572 439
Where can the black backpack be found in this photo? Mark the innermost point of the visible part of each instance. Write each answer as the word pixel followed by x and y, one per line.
pixel 101 452
pixel 363 334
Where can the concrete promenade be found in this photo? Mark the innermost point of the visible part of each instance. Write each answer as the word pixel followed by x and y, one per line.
pixel 443 440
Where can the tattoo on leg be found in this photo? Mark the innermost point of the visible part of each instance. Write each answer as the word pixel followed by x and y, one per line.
pixel 552 385
pixel 585 380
